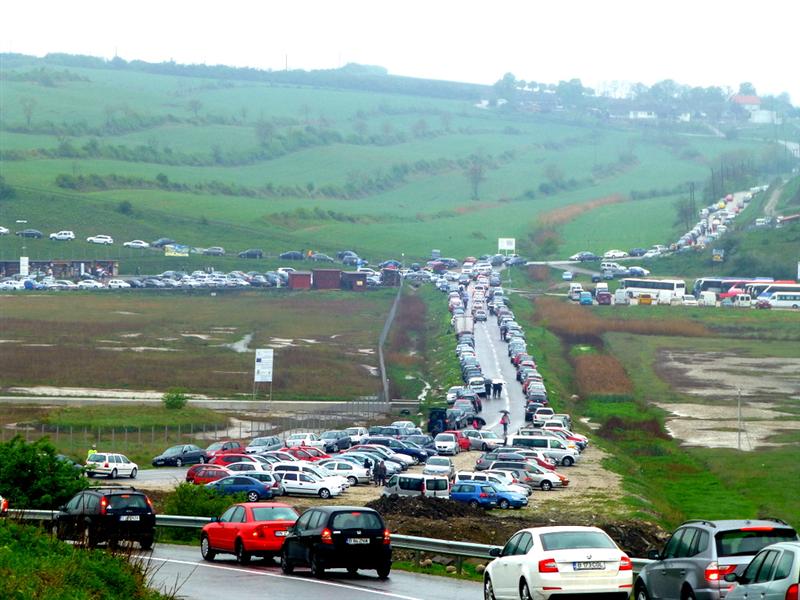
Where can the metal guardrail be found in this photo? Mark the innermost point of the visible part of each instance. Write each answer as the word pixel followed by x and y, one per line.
pixel 460 550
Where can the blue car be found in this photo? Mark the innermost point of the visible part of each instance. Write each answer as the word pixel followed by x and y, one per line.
pixel 475 494
pixel 507 498
pixel 253 489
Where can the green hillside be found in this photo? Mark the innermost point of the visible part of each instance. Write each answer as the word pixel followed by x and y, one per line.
pixel 247 163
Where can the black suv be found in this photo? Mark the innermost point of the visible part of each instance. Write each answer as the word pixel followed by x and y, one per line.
pixel 107 514
pixel 252 253
pixel 327 537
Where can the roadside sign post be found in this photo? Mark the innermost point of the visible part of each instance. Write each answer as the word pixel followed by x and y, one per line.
pixel 507 245
pixel 263 369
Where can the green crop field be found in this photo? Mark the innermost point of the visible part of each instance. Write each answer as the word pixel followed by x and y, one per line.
pixel 244 164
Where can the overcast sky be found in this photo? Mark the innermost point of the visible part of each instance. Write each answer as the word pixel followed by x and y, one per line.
pixel 698 42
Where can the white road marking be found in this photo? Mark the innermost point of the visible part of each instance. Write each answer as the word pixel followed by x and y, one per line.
pixel 277 576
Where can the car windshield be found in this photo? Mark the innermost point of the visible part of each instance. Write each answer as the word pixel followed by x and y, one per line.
pixel 356 520
pixel 329 435
pixel 297 436
pixel 274 513
pixel 569 540
pixel 490 435
pixel 445 437
pixel 173 451
pixel 742 542
pixel 438 462
pixel 126 501
pixel 260 442
pixel 215 446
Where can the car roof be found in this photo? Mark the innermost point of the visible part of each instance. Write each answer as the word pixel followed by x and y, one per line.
pixel 560 529
pixel 726 524
pixel 264 504
pixel 344 508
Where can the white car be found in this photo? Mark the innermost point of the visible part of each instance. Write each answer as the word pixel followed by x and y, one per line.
pixel 110 464
pixel 242 467
pixel 90 284
pixel 118 284
pixel 335 484
pixel 4 231
pixel 545 562
pixel 615 254
pixel 651 254
pixel 305 439
pixel 12 285
pixel 100 239
pixel 62 284
pixel 136 244
pixel 354 474
pixel 62 235
pixel 689 300
pixel 357 434
pixel 446 443
pixel 439 465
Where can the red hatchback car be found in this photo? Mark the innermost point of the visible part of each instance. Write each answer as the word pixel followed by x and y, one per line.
pixel 227 459
pixel 463 441
pixel 305 453
pixel 247 530
pixel 204 474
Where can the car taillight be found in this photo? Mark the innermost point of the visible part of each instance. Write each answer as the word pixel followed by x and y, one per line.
pixel 625 564
pixel 327 538
pixel 103 505
pixel 423 487
pixel 484 495
pixel 258 531
pixel 105 465
pixel 149 502
pixel 792 592
pixel 387 538
pixel 716 572
pixel 548 565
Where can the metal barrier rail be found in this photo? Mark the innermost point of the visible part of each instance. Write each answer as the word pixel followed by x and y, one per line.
pixel 460 550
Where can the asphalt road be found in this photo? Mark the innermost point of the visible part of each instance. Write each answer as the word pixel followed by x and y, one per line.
pixel 181 566
pixel 163 477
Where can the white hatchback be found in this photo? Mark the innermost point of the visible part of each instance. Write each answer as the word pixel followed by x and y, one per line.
pixel 100 239
pixel 553 561
pixel 110 464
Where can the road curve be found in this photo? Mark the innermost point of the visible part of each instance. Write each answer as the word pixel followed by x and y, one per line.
pixel 181 567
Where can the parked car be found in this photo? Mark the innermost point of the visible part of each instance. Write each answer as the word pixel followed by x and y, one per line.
pixel 307 484
pixel 474 493
pixel 107 514
pixel 229 459
pixel 320 257
pixel 223 447
pixel 305 439
pixel 292 255
pixel 63 236
pixel 484 440
pixel 545 562
pixel 248 530
pixel 774 574
pixel 90 284
pixel 700 554
pixel 326 537
pixel 111 465
pixel 136 244
pixel 118 284
pixel 307 453
pixel 439 465
pixel 201 474
pixel 100 239
pixel 615 254
pixel 253 489
pixel 264 444
pixel 251 253
pixel 161 242
pixel 182 454
pixel 354 473
pixel 336 441
pixel 567 276
pixel 214 251
pixel 357 434
pixel 446 443
pixel 31 233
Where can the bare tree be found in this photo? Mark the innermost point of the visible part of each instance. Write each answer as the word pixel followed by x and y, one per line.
pixel 28 106
pixel 264 132
pixel 475 172
pixel 194 105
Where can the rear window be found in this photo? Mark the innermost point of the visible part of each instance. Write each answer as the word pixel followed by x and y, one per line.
pixel 569 540
pixel 274 513
pixel 120 501
pixel 743 542
pixel 356 520
pixel 97 458
pixel 436 484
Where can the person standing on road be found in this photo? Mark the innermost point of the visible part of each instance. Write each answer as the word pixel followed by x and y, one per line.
pixel 381 474
pixel 368 466
pixel 92 450
pixel 499 389
pixel 487 385
pixel 504 421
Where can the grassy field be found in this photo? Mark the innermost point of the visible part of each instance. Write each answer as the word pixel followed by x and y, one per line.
pixel 397 162
pixel 148 342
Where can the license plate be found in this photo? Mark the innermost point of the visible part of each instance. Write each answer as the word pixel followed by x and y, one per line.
pixel 588 566
pixel 281 533
pixel 129 518
pixel 358 540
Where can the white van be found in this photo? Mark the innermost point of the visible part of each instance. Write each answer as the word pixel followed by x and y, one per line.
pixel 601 287
pixel 610 266
pixel 760 222
pixel 742 301
pixel 707 299
pixel 620 297
pixel 575 290
pixel 432 486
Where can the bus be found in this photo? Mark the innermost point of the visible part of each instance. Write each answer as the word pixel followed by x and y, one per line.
pixel 772 288
pixel 665 289
pixel 711 284
pixel 734 287
pixel 785 299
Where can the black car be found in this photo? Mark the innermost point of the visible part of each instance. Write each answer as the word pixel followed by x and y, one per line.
pixel 399 447
pixel 292 255
pixel 30 233
pixel 588 256
pixel 180 455
pixel 214 251
pixel 251 253
pixel 107 514
pixel 336 441
pixel 320 257
pixel 161 242
pixel 516 261
pixel 329 537
pixel 353 260
pixel 152 282
pixel 422 440
pixel 136 283
pixel 637 252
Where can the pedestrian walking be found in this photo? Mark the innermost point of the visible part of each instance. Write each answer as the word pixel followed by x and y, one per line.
pixel 499 389
pixel 495 390
pixel 381 473
pixel 504 421
pixel 487 385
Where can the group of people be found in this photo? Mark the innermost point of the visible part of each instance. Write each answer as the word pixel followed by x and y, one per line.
pixel 378 470
pixel 493 388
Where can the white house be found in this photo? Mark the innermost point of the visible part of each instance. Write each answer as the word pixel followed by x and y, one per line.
pixel 636 115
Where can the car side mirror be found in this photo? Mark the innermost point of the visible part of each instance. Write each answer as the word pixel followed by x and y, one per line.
pixel 63 508
pixel 654 555
pixel 495 552
pixel 731 578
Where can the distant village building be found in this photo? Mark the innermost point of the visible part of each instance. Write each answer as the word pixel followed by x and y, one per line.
pixel 639 115
pixel 752 104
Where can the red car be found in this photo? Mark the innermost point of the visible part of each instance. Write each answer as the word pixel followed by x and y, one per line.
pixel 226 459
pixel 463 441
pixel 208 473
pixel 305 453
pixel 226 447
pixel 247 530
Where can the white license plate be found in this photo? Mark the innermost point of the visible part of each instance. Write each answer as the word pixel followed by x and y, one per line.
pixel 588 566
pixel 129 517
pixel 281 533
pixel 358 540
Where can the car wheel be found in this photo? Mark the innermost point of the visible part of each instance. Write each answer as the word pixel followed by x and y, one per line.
pixel 352 480
pixel 202 460
pixel 113 474
pixel 324 493
pixel 252 496
pixel 205 549
pixel 352 571
pixel 488 589
pixel 178 462
pixel 524 591
pixel 484 447
pixel 641 592
pixel 242 555
pixel 546 486
pixel 568 461
pixel 688 594
pixel 474 503
pixel 87 539
pixel 134 471
pixel 317 570
pixel 55 531
pixel 383 572
pixel 146 543
pixel 286 566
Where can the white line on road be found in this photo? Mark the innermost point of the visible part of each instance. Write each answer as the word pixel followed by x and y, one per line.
pixel 277 576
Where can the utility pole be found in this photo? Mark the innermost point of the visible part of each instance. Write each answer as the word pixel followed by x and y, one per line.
pixel 739 418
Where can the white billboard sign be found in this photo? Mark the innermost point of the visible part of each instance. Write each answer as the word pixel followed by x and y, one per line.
pixel 263 370
pixel 24 266
pixel 506 244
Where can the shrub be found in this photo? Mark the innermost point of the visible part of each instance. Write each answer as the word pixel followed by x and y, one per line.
pixel 600 374
pixel 31 476
pixel 196 501
pixel 175 398
pixel 125 208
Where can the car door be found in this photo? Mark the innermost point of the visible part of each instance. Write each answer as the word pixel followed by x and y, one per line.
pixel 219 534
pixel 658 573
pixel 780 579
pixel 748 586
pixel 290 483
pixel 504 579
pixel 69 518
pixel 125 466
pixel 298 550
pixel 760 585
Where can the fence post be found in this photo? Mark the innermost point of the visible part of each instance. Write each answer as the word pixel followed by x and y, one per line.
pixel 459 564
